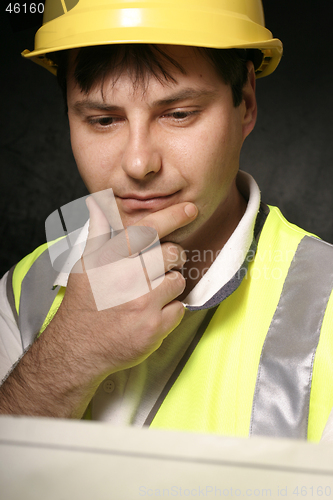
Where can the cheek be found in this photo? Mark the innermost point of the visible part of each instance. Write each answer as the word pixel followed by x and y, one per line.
pixel 90 160
pixel 225 144
pixel 218 163
pixel 79 144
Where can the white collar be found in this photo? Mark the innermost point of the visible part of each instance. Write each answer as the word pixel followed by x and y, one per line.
pixel 234 252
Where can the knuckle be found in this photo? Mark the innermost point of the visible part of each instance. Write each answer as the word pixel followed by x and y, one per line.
pixel 125 283
pixel 177 280
pixel 174 254
pixel 155 325
pixel 173 251
pixel 141 303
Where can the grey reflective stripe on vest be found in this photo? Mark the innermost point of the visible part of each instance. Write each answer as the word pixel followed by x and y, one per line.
pixel 37 297
pixel 282 394
pixel 10 294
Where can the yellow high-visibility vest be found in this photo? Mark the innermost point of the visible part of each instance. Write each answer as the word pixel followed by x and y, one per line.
pixel 264 363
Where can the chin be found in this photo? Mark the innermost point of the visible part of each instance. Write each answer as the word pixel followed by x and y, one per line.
pixel 181 235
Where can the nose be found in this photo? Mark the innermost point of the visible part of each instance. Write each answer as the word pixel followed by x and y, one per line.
pixel 140 156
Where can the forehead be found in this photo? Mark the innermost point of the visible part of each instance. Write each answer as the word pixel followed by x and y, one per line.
pixel 141 67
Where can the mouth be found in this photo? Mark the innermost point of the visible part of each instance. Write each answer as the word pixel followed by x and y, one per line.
pixel 132 202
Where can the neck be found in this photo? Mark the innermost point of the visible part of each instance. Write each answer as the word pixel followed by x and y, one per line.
pixel 207 242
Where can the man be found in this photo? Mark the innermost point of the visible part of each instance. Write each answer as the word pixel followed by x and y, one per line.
pixel 161 120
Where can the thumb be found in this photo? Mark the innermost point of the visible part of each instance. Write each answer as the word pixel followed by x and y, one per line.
pixel 99 227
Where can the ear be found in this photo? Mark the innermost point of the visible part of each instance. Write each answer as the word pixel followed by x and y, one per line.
pixel 249 103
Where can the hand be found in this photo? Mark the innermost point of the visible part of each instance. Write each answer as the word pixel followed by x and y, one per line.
pixel 115 338
pixel 62 370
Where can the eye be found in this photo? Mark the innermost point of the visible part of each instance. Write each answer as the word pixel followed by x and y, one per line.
pixel 180 117
pixel 106 120
pixel 103 121
pixel 183 115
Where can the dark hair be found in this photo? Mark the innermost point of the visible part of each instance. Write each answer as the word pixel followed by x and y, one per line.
pixel 141 61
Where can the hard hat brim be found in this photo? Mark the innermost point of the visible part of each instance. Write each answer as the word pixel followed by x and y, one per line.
pixel 221 29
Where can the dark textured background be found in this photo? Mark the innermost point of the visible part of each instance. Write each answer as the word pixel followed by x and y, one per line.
pixel 290 152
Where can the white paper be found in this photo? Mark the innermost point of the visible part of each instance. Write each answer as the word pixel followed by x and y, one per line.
pixel 49 459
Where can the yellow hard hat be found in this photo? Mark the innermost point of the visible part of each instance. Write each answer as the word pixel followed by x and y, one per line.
pixel 221 24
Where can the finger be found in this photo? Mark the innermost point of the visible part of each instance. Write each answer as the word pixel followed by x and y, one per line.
pixel 172 310
pixel 170 317
pixel 159 259
pixel 174 256
pixel 171 218
pixel 172 314
pixel 169 288
pixel 128 243
pixel 139 238
pixel 106 201
pixel 99 227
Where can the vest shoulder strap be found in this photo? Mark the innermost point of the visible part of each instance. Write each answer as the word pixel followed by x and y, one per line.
pixel 31 285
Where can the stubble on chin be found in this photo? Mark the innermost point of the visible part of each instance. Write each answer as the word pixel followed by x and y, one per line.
pixel 180 236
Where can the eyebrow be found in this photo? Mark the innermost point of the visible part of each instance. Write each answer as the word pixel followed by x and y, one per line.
pixel 80 106
pixel 182 95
